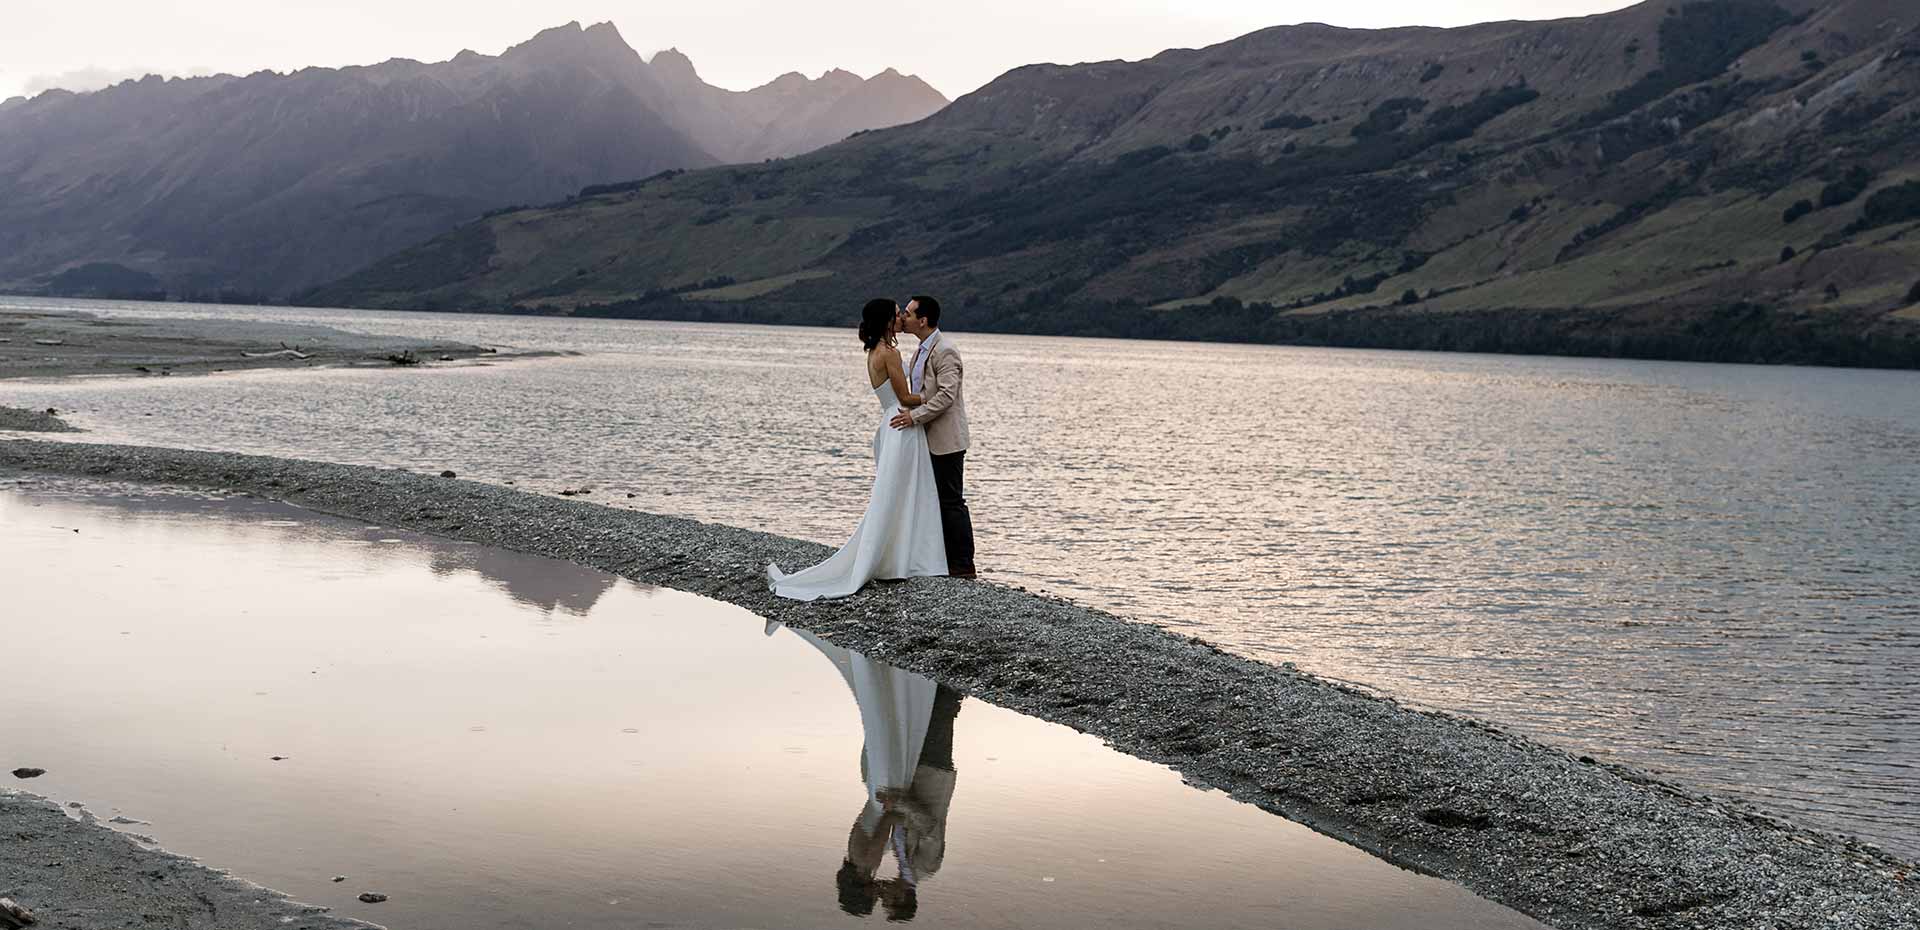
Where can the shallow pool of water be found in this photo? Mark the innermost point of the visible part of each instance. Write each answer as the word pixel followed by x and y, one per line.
pixel 499 740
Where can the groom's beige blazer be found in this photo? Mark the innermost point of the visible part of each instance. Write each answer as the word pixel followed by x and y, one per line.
pixel 944 412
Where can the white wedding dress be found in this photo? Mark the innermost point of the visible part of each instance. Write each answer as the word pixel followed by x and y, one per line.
pixel 900 535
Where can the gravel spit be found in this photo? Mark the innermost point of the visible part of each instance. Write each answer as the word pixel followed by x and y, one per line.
pixel 52 343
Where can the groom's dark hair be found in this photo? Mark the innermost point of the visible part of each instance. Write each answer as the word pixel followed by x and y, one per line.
pixel 929 309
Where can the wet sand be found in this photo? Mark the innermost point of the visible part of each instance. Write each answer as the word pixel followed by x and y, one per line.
pixel 52 344
pixel 1550 833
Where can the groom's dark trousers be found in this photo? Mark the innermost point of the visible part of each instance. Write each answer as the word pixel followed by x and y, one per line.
pixel 956 523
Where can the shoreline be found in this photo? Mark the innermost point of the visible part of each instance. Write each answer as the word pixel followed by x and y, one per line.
pixel 1742 334
pixel 73 871
pixel 1451 341
pixel 36 344
pixel 1555 835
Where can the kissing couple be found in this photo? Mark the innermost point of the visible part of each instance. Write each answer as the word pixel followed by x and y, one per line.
pixel 916 521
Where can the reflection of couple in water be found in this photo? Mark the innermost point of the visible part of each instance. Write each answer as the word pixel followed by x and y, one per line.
pixel 907 764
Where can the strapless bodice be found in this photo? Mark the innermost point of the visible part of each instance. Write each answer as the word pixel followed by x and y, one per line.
pixel 889 401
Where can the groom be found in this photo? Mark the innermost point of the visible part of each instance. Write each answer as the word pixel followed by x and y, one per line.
pixel 936 376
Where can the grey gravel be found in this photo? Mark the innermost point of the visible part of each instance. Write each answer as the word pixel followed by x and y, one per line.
pixel 34 421
pixel 76 875
pixel 1574 843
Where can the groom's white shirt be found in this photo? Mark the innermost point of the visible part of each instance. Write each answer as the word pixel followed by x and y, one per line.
pixel 920 357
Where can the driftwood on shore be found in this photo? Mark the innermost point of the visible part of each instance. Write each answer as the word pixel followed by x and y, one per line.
pixel 285 351
pixel 1575 842
pixel 13 916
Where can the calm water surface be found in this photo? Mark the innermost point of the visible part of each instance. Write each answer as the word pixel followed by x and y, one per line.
pixel 498 740
pixel 1709 571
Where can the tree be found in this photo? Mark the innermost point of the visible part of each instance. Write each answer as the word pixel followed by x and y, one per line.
pixel 1786 254
pixel 1799 209
pixel 1198 143
pixel 1913 296
pixel 1896 204
pixel 1851 185
pixel 1409 298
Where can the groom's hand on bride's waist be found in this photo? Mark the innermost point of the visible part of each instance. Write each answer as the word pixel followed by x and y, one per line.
pixel 902 420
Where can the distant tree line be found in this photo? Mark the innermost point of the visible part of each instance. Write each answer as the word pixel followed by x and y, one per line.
pixel 1733 332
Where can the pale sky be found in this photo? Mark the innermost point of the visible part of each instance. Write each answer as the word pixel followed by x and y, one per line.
pixel 955 46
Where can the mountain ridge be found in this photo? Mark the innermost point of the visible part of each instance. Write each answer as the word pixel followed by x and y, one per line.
pixel 260 185
pixel 1613 184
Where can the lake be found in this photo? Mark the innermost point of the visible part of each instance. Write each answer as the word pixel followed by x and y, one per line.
pixel 1706 571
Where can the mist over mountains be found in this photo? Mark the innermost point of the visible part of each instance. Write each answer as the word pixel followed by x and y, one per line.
pixel 270 183
pixel 1716 179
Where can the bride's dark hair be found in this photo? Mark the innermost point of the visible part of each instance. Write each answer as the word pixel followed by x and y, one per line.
pixel 875 319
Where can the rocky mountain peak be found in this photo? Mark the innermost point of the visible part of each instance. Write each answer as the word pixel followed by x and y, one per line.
pixel 570 43
pixel 335 167
pixel 841 78
pixel 673 65
pixel 605 32
pixel 551 37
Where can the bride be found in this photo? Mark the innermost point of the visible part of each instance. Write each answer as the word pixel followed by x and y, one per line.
pixel 900 535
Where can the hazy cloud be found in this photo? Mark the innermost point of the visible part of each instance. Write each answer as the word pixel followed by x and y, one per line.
pixel 86 79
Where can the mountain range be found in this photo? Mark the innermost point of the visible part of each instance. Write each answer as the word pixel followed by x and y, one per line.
pixel 271 183
pixel 1715 179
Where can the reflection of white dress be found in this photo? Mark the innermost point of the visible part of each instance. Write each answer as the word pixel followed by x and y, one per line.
pixel 896 712
pixel 895 709
pixel 900 535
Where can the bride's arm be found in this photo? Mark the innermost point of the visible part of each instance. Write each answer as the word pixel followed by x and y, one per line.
pixel 897 374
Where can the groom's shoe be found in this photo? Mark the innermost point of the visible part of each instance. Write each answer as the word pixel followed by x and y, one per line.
pixel 968 574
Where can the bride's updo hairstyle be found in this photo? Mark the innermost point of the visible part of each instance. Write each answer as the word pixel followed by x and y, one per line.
pixel 875 320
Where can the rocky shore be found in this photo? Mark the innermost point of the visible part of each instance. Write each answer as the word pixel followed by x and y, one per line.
pixel 71 872
pixel 1574 842
pixel 42 343
pixel 33 421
